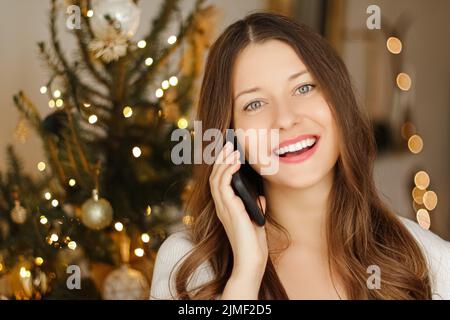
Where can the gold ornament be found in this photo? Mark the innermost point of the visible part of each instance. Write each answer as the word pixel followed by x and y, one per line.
pixel 96 213
pixel 125 283
pixel 19 214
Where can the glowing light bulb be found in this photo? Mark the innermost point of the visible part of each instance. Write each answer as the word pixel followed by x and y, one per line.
pixel 182 123
pixel 145 237
pixel 139 252
pixel 118 226
pixel 173 81
pixel 148 62
pixel 92 119
pixel 136 152
pixel 172 39
pixel 41 166
pixel 142 44
pixel 127 112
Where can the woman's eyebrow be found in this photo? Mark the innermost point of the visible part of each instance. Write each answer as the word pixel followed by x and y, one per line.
pixel 247 91
pixel 298 74
pixel 290 78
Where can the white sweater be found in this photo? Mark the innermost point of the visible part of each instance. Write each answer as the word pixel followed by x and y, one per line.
pixel 176 247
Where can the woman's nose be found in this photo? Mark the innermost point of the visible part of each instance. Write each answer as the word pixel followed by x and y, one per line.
pixel 285 116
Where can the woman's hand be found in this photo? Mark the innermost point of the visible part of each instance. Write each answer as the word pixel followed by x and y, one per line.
pixel 248 240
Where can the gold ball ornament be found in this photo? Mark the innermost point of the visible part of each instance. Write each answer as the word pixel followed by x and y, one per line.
pixel 125 283
pixel 96 213
pixel 19 214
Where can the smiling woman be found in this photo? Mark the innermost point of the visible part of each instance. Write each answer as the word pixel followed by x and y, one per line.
pixel 328 234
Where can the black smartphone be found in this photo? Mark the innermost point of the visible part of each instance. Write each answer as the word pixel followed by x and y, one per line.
pixel 240 187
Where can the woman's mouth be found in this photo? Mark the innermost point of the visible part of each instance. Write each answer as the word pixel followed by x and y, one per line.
pixel 298 149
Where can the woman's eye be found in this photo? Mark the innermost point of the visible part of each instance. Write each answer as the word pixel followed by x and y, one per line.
pixel 304 89
pixel 252 106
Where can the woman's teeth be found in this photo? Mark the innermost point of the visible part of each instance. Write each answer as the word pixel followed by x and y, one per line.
pixel 303 144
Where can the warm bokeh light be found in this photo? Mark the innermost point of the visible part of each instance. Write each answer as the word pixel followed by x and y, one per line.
pixel 423 218
pixel 127 112
pixel 39 261
pixel 430 200
pixel 43 220
pixel 142 44
pixel 139 252
pixel 407 130
pixel 417 195
pixel 415 144
pixel 41 166
pixel 118 226
pixel 92 119
pixel 403 81
pixel 145 237
pixel 394 45
pixel 148 62
pixel 182 123
pixel 422 180
pixel 137 152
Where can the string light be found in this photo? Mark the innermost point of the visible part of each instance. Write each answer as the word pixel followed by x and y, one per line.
pixel 43 90
pixel 423 218
pixel 172 39
pixel 39 261
pixel 403 81
pixel 86 105
pixel 72 182
pixel 148 62
pixel 51 103
pixel 92 119
pixel 430 200
pixel 90 13
pixel 41 166
pixel 148 211
pixel 394 45
pixel 182 123
pixel 142 44
pixel 55 203
pixel 139 252
pixel 24 273
pixel 118 226
pixel 415 144
pixel 54 237
pixel 43 220
pixel 1 266
pixel 165 84
pixel 56 94
pixel 417 195
pixel 173 81
pixel 72 245
pixel 136 152
pixel 59 103
pixel 47 195
pixel 145 237
pixel 422 180
pixel 127 112
pixel 159 93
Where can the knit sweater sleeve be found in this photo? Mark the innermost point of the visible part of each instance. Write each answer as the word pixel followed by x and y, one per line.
pixel 437 253
pixel 171 254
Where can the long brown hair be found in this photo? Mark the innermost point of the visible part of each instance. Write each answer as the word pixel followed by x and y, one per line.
pixel 361 231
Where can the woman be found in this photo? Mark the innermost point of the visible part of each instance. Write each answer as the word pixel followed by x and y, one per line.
pixel 327 235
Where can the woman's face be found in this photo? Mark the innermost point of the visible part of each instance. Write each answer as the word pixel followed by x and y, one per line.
pixel 272 89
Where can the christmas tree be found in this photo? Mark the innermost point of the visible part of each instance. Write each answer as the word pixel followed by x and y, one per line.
pixel 107 193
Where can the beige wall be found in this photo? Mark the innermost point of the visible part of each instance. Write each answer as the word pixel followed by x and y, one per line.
pixel 426 52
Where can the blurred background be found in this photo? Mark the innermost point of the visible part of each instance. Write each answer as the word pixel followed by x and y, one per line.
pixel 401 73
